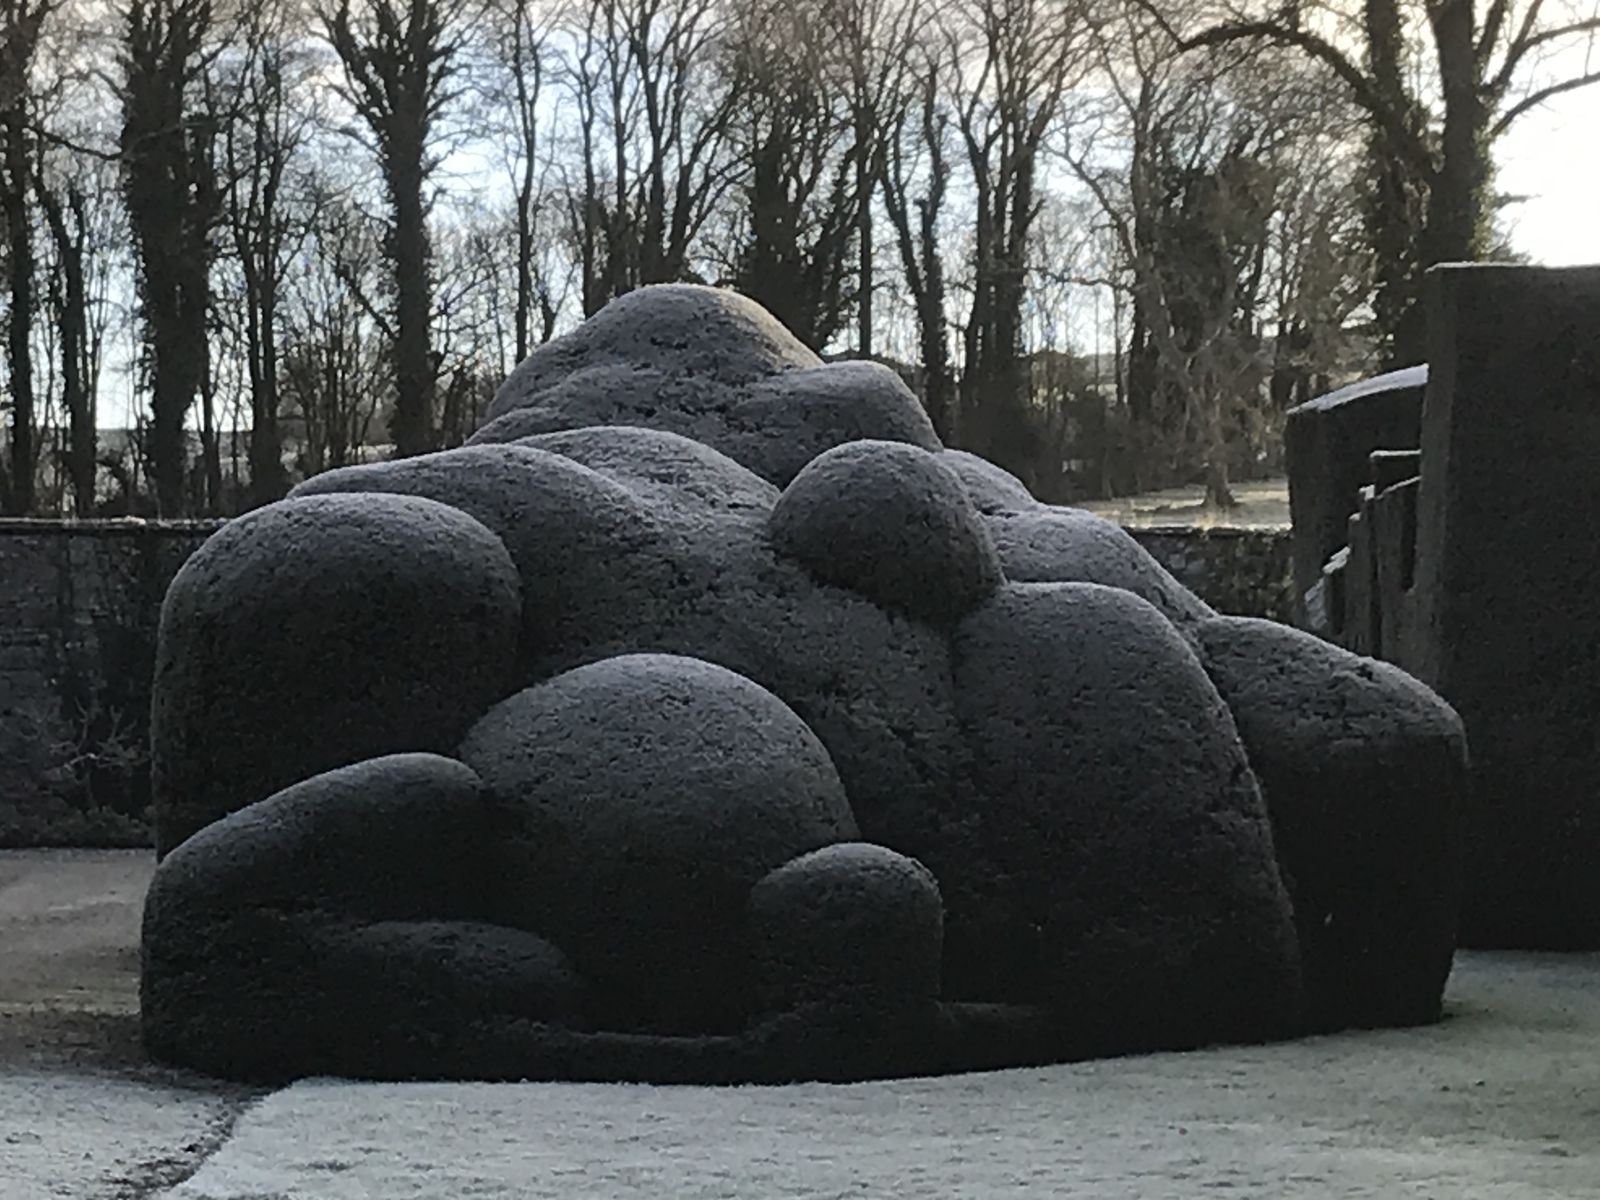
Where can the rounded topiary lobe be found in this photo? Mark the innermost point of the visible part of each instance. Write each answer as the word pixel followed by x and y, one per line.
pixel 1046 544
pixel 992 489
pixel 785 422
pixel 851 919
pixel 710 365
pixel 337 927
pixel 318 632
pixel 891 523
pixel 1113 856
pixel 705 581
pixel 642 797
pixel 662 468
pixel 1364 770
pixel 572 532
pixel 673 329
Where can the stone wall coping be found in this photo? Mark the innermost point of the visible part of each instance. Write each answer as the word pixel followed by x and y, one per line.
pixel 123 526
pixel 1220 531
pixel 107 526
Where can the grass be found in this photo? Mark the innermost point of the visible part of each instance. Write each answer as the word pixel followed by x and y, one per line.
pixel 1263 504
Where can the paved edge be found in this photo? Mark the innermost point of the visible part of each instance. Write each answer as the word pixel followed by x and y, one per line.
pixel 159 1175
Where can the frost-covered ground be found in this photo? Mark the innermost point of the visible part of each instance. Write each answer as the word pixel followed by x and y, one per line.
pixel 82 1115
pixel 1501 1100
pixel 1263 504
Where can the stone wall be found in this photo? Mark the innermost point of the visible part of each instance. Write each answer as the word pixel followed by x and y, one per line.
pixel 1246 572
pixel 79 604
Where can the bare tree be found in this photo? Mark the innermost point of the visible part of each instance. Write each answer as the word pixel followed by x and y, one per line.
pixel 401 59
pixel 20 24
pixel 87 261
pixel 1322 276
pixel 337 359
pixel 268 129
pixel 1433 129
pixel 1018 59
pixel 915 178
pixel 874 42
pixel 521 33
pixel 1201 163
pixel 66 217
pixel 802 197
pixel 83 257
pixel 170 187
pixel 469 326
pixel 653 119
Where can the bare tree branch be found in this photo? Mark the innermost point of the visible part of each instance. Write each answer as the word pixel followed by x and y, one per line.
pixel 1528 41
pixel 1536 98
pixel 1399 134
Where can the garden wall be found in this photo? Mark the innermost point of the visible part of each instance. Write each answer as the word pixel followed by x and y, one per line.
pixel 79 604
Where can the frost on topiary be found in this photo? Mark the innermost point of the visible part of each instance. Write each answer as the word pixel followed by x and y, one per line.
pixel 891 522
pixel 850 918
pixel 706 720
pixel 319 632
pixel 713 366
pixel 1364 773
pixel 640 798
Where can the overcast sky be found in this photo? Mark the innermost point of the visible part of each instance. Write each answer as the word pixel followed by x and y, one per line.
pixel 1553 157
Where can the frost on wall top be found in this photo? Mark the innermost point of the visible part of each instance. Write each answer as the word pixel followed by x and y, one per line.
pixel 707 720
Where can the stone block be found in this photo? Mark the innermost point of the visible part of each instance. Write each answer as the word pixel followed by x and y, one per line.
pixel 1507 625
pixel 1327 444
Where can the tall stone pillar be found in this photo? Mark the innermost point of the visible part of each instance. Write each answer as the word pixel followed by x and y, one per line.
pixel 1506 606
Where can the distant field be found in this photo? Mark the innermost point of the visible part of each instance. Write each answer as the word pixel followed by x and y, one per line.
pixel 1263 504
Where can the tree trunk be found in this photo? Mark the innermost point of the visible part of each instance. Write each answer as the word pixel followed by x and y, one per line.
pixel 944 407
pixel 17 175
pixel 267 479
pixel 525 296
pixel 974 386
pixel 526 69
pixel 1395 194
pixel 72 325
pixel 1456 199
pixel 1219 496
pixel 210 440
pixel 171 394
pixel 412 425
pixel 864 247
pixel 1013 437
pixel 169 183
pixel 937 387
pixel 265 452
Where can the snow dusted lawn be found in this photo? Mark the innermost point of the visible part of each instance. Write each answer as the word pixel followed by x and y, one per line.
pixel 1502 1100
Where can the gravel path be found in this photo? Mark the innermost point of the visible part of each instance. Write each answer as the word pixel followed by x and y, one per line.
pixel 1501 1100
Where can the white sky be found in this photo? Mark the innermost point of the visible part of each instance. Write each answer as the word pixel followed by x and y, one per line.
pixel 1552 156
